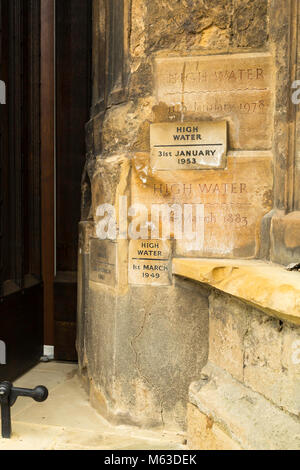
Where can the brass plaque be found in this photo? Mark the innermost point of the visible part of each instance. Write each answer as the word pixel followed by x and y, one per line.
pixel 150 262
pixel 188 145
pixel 103 261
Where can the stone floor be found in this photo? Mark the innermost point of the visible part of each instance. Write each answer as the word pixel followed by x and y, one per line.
pixel 66 421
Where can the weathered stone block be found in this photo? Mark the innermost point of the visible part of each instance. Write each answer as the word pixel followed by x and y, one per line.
pixel 103 261
pixel 200 25
pixel 249 419
pixel 153 343
pixel 236 87
pixel 234 199
pixel 228 325
pixel 263 368
pixel 85 231
pixel 285 237
pixel 110 180
pixel 271 365
pixel 269 288
pixel 204 434
pixel 255 347
pixel 291 365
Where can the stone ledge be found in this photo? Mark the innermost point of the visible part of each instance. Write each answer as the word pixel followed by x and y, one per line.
pixel 265 285
pixel 245 417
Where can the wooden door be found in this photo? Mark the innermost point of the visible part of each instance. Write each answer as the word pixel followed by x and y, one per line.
pixel 73 88
pixel 21 287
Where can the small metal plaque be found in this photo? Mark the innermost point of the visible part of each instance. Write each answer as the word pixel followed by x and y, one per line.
pixel 150 262
pixel 188 145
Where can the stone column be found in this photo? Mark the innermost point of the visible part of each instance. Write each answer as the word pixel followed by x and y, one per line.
pixel 158 63
pixel 283 223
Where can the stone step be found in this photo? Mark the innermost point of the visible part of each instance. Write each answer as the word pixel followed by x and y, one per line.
pixel 225 414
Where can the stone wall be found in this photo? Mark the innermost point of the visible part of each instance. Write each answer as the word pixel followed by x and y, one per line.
pixel 140 342
pixel 248 393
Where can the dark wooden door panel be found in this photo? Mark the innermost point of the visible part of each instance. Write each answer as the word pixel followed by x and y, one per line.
pixel 21 329
pixel 21 288
pixel 65 307
pixel 73 31
pixel 73 89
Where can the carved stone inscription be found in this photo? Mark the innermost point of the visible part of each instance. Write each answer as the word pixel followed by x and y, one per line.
pixel 235 199
pixel 237 88
pixel 149 262
pixel 103 261
pixel 188 146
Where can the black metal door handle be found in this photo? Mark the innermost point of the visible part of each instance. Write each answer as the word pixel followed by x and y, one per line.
pixel 8 397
